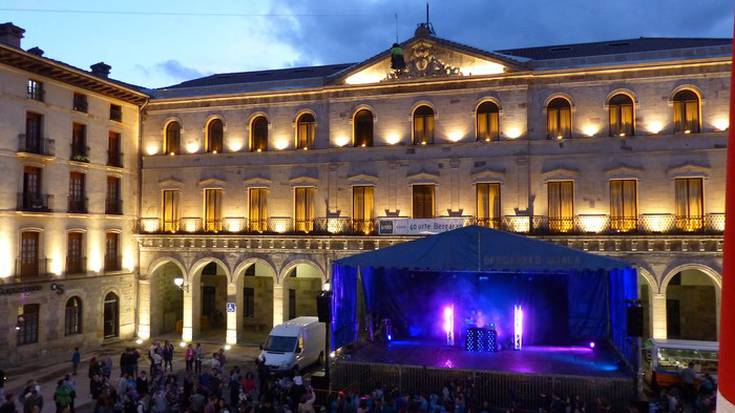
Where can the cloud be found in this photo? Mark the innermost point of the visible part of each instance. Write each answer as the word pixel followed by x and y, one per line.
pixel 168 72
pixel 365 28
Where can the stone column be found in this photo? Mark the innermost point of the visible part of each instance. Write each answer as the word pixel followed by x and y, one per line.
pixel 658 316
pixel 231 336
pixel 187 332
pixel 144 309
pixel 279 303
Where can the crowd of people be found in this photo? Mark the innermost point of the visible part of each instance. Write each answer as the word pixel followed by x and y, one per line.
pixel 208 384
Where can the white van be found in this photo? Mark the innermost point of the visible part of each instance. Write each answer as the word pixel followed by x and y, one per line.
pixel 294 345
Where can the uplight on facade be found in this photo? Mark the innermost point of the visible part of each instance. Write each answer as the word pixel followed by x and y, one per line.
pixel 6 256
pixel 281 143
pixel 392 138
pixel 590 129
pixel 234 224
pixel 655 126
pixel 592 222
pixel 721 124
pixel 235 145
pixel 519 223
pixel 152 148
pixel 341 140
pixel 482 68
pixel 192 147
pixel 455 135
pixel 513 132
pixel 658 222
pixel 150 224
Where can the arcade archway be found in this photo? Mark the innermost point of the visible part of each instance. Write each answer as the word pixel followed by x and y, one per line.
pixel 692 300
pixel 255 301
pixel 302 283
pixel 167 301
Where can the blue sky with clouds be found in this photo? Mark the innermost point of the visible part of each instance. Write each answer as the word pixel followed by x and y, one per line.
pixel 154 49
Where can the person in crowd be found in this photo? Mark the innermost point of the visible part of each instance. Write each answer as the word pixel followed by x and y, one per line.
pixel 189 357
pixel 198 358
pixel 8 405
pixel 76 359
pixel 168 356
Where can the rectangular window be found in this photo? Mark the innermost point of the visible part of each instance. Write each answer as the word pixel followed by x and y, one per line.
pixel 116 113
pixel 561 206
pixel 31 198
pixel 27 326
pixel 249 302
pixel 362 208
pixel 112 248
pixel 74 259
pixel 213 210
pixel 77 195
pixel 35 90
pixel 423 201
pixel 114 155
pixel 689 204
pixel 79 150
pixel 304 208
pixel 170 210
pixel 33 141
pixel 30 263
pixel 113 202
pixel 80 102
pixel 488 205
pixel 623 205
pixel 258 209
pixel 291 303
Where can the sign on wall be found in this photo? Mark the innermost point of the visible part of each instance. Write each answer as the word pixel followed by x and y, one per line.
pixel 231 307
pixel 410 226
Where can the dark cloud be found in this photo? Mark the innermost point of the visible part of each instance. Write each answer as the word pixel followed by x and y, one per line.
pixel 367 27
pixel 172 70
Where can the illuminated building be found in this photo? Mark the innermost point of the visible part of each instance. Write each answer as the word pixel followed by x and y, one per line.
pixel 252 183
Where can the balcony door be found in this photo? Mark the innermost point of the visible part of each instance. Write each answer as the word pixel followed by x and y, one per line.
pixel 113 149
pixel 29 254
pixel 170 210
pixel 561 206
pixel 112 245
pixel 304 208
pixel 31 187
pixel 213 210
pixel 689 204
pixel 362 208
pixel 258 209
pixel 34 130
pixel 488 205
pixel 74 253
pixel 423 201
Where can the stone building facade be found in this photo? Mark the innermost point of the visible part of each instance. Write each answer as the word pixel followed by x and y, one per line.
pixel 250 184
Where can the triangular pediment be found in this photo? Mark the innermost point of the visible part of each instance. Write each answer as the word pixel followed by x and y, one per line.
pixel 428 57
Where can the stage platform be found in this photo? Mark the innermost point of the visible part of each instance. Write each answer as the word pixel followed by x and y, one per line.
pixel 501 378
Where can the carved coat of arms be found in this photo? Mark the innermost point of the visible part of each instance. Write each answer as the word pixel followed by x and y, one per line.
pixel 423 63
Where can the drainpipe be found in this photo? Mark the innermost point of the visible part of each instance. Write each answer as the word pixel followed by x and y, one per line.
pixel 139 170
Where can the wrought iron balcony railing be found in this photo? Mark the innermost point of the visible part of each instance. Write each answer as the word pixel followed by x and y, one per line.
pixel 78 205
pixel 76 265
pixel 583 224
pixel 34 202
pixel 30 269
pixel 36 145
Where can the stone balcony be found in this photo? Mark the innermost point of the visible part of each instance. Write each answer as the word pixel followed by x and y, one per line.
pixel 652 233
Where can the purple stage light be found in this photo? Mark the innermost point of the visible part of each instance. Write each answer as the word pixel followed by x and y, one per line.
pixel 517 327
pixel 449 324
pixel 592 344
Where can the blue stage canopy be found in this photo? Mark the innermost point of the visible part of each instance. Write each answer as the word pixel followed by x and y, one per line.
pixel 477 248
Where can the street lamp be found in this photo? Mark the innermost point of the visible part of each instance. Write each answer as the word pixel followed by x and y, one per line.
pixel 179 282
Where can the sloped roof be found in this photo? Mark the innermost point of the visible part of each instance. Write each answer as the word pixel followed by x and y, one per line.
pixel 475 248
pixel 292 73
pixel 642 44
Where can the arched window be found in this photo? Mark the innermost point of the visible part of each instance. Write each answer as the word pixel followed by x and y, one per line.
pixel 172 140
pixel 686 112
pixel 73 318
pixel 363 124
pixel 305 131
pixel 621 115
pixel 111 317
pixel 423 125
pixel 215 136
pixel 488 122
pixel 259 134
pixel 559 119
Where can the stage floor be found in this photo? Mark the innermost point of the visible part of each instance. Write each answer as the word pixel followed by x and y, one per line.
pixel 546 360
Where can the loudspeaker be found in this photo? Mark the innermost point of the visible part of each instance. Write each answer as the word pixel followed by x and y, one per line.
pixel 324 306
pixel 635 321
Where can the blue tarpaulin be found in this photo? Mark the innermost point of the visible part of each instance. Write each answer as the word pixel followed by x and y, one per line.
pixel 598 289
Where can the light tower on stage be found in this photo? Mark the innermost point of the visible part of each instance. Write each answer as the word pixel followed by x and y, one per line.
pixel 726 369
pixel 517 327
pixel 449 324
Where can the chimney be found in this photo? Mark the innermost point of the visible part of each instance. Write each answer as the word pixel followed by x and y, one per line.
pixel 36 51
pixel 11 34
pixel 101 69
